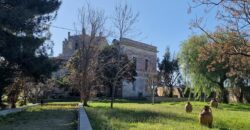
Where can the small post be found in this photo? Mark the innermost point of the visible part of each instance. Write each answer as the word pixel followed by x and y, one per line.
pixel 189 95
pixel 41 102
pixel 153 99
pixel 204 97
pixel 153 93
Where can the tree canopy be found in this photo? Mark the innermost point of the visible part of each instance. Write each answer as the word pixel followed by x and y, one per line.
pixel 24 37
pixel 114 67
pixel 169 70
pixel 209 66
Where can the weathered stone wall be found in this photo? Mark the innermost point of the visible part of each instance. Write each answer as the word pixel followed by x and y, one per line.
pixel 134 49
pixel 142 52
pixel 72 43
pixel 164 91
pixel 234 95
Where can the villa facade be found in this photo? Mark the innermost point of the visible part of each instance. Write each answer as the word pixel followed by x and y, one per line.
pixel 144 55
pixel 145 58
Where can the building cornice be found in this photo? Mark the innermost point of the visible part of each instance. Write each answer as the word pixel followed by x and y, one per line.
pixel 139 45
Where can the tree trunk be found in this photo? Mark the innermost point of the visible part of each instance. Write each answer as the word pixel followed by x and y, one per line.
pixel 25 100
pixel 85 100
pixel 1 100
pixel 153 96
pixel 85 103
pixel 13 105
pixel 200 96
pixel 204 97
pixel 25 90
pixel 110 91
pixel 25 96
pixel 12 101
pixel 224 94
pixel 171 91
pixel 36 98
pixel 81 97
pixel 112 97
pixel 241 98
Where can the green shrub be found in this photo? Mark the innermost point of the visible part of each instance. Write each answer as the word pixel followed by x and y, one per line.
pixel 21 103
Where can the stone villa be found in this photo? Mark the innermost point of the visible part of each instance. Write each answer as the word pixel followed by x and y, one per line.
pixel 144 55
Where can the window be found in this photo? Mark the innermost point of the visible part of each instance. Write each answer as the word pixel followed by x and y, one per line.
pixel 135 61
pixel 76 46
pixel 146 65
pixel 134 85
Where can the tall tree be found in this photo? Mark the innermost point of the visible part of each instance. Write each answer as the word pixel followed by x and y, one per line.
pixel 210 66
pixel 113 68
pixel 169 70
pixel 194 71
pixel 83 63
pixel 124 19
pixel 5 78
pixel 232 37
pixel 23 28
pixel 219 60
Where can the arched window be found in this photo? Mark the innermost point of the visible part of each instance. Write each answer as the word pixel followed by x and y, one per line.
pixel 76 46
pixel 146 65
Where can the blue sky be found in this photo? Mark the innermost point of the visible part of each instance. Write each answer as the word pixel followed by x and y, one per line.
pixel 162 22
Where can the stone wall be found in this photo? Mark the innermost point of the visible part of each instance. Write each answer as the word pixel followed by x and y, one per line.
pixel 234 95
pixel 164 91
pixel 142 53
pixel 72 43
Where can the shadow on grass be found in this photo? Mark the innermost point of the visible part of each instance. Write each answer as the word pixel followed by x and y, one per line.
pixel 236 107
pixel 40 118
pixel 137 101
pixel 141 101
pixel 127 118
pixel 223 129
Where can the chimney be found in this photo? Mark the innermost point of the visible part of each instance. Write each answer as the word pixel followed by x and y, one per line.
pixel 100 34
pixel 68 34
pixel 83 31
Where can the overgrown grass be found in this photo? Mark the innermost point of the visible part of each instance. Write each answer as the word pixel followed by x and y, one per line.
pixel 48 117
pixel 165 116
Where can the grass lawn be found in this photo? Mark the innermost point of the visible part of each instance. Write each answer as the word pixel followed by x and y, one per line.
pixel 165 116
pixel 49 117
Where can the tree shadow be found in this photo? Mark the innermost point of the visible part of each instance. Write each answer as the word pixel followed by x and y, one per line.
pixel 125 116
pixel 223 129
pixel 135 100
pixel 39 118
pixel 236 107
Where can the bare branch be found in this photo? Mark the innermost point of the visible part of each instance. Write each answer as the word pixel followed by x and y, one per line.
pixel 124 19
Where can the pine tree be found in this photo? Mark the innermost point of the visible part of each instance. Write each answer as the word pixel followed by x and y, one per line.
pixel 24 31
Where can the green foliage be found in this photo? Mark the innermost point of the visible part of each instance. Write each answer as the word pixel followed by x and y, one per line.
pixel 21 103
pixel 195 73
pixel 24 37
pixel 6 75
pixel 169 70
